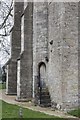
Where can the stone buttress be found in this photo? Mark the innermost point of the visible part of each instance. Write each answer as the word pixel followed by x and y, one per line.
pixel 25 61
pixel 11 83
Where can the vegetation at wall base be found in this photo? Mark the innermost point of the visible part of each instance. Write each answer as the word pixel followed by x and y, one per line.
pixel 2 86
pixel 37 119
pixel 75 112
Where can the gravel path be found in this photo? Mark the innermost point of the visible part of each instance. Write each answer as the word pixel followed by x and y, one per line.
pixel 11 99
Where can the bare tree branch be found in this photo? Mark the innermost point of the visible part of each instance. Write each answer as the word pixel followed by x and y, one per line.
pixel 9 13
pixel 5 28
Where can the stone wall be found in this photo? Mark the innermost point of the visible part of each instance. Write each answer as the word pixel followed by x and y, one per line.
pixel 26 57
pixel 40 38
pixel 63 53
pixel 55 36
pixel 79 53
pixel 50 39
pixel 15 49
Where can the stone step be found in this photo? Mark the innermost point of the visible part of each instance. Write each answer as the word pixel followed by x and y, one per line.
pixel 44 92
pixel 45 101
pixel 45 104
pixel 45 96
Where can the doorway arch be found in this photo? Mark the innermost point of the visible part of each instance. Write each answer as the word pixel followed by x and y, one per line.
pixel 42 74
pixel 44 95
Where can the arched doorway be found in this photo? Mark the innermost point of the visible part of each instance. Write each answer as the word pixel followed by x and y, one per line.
pixel 42 75
pixel 44 95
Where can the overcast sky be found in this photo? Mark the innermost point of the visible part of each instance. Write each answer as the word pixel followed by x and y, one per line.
pixel 3 55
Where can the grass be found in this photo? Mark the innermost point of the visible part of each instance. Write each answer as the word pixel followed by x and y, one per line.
pixel 2 86
pixel 12 111
pixel 0 109
pixel 75 112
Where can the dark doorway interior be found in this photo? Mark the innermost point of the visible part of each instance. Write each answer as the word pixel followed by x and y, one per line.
pixel 44 95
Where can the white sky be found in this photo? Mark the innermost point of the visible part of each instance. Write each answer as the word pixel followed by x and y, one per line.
pixel 3 55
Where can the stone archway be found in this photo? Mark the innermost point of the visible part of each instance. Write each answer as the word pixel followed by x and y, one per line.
pixel 42 75
pixel 44 95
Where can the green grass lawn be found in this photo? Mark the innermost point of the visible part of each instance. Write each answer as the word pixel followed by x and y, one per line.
pixel 2 86
pixel 75 112
pixel 12 111
pixel 0 109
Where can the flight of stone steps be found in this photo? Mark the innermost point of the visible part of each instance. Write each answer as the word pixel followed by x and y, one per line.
pixel 45 100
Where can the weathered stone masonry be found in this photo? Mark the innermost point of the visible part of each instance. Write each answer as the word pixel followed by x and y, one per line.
pixel 61 41
pixel 47 66
pixel 15 50
pixel 26 56
pixel 63 59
